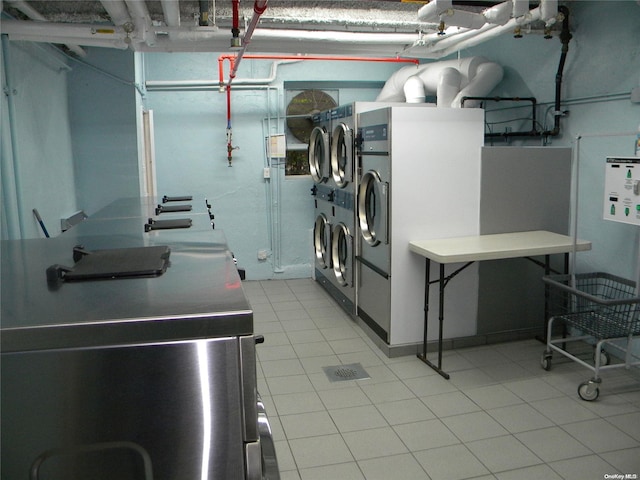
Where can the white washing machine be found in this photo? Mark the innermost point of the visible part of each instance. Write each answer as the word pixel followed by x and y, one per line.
pixel 419 171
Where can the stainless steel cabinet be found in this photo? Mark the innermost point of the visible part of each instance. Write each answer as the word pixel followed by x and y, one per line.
pixel 134 378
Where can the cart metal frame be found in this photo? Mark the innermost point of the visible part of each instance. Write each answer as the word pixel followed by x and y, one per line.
pixel 596 308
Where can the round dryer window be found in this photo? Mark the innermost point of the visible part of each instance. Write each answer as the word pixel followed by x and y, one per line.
pixel 342 155
pixel 341 244
pixel 321 243
pixel 372 208
pixel 319 160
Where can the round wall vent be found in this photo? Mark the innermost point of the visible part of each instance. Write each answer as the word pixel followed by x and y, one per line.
pixel 302 107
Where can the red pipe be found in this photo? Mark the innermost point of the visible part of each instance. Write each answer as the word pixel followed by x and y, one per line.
pixel 259 7
pixel 232 61
pixel 235 30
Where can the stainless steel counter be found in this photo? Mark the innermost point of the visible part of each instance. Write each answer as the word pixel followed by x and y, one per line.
pixel 199 296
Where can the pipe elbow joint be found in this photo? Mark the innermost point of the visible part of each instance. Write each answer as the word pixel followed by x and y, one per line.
pixel 414 90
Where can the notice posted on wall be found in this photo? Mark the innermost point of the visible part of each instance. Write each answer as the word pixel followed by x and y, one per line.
pixel 622 190
pixel 277 146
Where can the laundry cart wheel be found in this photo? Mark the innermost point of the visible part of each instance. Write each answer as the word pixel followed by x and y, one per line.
pixel 588 391
pixel 545 360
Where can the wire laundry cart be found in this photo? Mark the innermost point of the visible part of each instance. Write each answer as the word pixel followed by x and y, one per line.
pixel 594 308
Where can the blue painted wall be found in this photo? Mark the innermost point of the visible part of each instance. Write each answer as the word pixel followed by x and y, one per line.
pixel 103 123
pixel 37 160
pixel 275 215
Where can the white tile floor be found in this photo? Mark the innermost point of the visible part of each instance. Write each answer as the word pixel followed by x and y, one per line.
pixel 499 417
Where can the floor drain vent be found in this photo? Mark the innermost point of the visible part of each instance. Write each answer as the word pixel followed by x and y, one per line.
pixel 353 371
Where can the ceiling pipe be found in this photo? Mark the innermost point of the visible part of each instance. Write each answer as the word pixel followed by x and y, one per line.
pixel 232 59
pixel 47 32
pixel 484 35
pixel 117 11
pixel 142 21
pixel 30 12
pixel 336 36
pixel 204 13
pixel 180 85
pixel 427 44
pixel 171 12
pixel 258 9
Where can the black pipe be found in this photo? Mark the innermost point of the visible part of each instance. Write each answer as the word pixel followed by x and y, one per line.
pixel 204 13
pixel 510 99
pixel 565 38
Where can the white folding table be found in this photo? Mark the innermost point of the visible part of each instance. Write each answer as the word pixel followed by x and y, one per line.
pixel 485 247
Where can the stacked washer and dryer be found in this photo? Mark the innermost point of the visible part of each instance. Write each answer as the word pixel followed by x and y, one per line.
pixel 363 224
pixel 418 179
pixel 332 162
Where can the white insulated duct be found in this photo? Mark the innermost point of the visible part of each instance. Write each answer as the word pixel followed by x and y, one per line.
pixel 47 32
pixel 30 12
pixel 117 11
pixel 171 11
pixel 335 36
pixel 449 80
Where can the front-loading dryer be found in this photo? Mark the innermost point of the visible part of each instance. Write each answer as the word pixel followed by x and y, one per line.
pixel 319 153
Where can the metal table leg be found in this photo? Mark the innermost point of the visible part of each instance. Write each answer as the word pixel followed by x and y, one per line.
pixel 423 356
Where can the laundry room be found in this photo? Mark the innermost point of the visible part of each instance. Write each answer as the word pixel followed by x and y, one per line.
pixel 407 189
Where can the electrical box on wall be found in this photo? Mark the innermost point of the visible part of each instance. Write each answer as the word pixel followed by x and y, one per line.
pixel 622 190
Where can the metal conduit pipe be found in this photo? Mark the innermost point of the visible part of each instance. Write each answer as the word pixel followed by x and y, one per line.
pixel 176 85
pixel 30 12
pixel 233 62
pixel 11 183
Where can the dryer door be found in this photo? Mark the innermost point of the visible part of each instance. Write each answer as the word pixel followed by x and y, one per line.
pixel 341 254
pixel 319 154
pixel 342 155
pixel 373 206
pixel 322 241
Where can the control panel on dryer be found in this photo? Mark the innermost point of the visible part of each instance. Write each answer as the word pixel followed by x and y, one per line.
pixel 622 190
